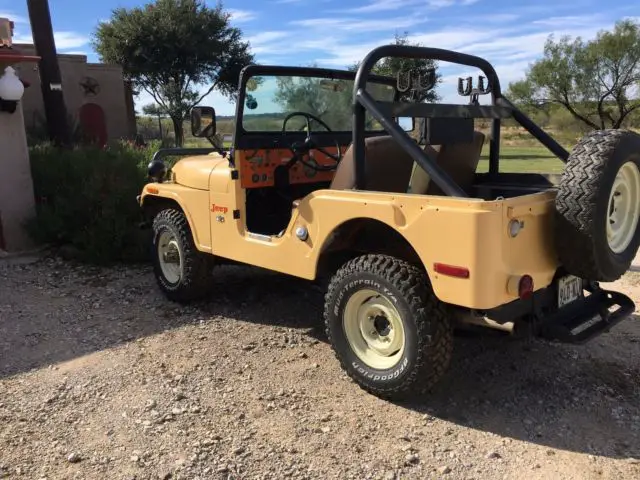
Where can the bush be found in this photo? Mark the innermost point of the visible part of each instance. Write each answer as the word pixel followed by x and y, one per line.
pixel 86 200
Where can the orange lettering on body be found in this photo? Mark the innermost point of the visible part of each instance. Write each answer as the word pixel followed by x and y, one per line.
pixel 218 208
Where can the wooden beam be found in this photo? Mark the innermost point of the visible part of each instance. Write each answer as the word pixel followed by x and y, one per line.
pixel 50 78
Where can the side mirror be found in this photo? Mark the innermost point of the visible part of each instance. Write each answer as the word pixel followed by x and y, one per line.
pixel 203 122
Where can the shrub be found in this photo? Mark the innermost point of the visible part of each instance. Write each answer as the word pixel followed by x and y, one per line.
pixel 86 200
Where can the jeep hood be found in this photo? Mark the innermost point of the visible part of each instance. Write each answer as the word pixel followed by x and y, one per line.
pixel 194 171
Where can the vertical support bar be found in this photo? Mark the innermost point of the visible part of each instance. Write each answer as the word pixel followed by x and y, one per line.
pixel 358 144
pixel 494 148
pixel 54 106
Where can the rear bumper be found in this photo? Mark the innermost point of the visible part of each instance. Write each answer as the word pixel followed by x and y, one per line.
pixel 578 322
pixel 587 318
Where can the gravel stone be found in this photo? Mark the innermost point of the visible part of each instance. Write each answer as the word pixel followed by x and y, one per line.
pixel 102 377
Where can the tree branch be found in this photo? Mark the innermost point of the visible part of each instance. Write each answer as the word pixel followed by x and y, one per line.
pixel 215 84
pixel 573 112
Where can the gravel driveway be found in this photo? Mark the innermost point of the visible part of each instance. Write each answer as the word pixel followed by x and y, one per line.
pixel 101 378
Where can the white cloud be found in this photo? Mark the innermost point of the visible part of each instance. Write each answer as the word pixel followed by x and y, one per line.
pixel 300 2
pixel 74 52
pixel 241 16
pixel 13 17
pixel 496 17
pixel 269 41
pixel 359 25
pixel 381 6
pixel 391 5
pixel 509 38
pixel 568 20
pixel 63 40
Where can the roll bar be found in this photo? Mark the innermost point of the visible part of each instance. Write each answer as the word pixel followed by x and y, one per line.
pixel 385 111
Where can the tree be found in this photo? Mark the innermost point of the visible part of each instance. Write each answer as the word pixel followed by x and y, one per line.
pixel 155 110
pixel 596 81
pixel 329 100
pixel 170 47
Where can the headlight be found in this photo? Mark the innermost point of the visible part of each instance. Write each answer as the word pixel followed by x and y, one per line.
pixel 157 170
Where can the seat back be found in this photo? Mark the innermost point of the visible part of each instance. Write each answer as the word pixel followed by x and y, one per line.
pixel 387 167
pixel 458 160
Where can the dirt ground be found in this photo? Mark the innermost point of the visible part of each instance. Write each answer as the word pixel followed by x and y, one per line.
pixel 102 378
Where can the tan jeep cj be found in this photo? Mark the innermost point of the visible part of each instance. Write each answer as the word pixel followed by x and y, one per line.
pixel 329 174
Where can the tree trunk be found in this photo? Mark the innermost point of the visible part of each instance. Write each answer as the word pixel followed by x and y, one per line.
pixel 178 130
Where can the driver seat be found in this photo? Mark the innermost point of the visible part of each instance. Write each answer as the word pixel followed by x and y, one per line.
pixel 388 167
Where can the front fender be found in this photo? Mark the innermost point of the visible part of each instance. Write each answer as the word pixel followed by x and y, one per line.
pixel 192 202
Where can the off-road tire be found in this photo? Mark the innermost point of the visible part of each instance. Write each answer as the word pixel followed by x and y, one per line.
pixel 427 325
pixel 195 278
pixel 582 204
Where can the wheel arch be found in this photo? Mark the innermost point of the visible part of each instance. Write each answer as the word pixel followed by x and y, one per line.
pixel 152 204
pixel 362 235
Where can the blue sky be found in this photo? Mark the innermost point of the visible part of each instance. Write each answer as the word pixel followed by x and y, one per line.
pixel 336 33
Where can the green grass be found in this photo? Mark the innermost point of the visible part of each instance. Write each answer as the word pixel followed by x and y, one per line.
pixel 201 143
pixel 523 160
pixel 513 159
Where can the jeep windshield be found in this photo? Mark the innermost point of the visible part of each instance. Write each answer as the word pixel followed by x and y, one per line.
pixel 270 98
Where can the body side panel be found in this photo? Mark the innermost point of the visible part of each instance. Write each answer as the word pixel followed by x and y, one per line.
pixel 457 231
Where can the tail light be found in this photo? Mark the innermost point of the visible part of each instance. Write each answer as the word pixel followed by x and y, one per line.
pixel 521 286
pixel 525 287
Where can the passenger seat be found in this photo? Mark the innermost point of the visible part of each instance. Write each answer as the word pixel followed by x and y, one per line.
pixel 387 167
pixel 459 160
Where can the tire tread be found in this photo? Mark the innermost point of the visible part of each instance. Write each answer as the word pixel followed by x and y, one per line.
pixel 576 204
pixel 435 334
pixel 196 277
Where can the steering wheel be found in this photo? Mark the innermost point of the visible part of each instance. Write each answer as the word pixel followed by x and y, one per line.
pixel 299 149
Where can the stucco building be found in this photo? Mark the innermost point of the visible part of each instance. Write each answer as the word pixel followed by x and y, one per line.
pixel 96 96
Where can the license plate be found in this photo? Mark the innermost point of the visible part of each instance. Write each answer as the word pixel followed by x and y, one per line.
pixel 569 290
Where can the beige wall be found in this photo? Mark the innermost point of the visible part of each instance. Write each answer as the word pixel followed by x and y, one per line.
pixel 73 69
pixel 16 187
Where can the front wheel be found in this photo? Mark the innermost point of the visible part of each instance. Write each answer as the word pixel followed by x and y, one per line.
pixel 182 272
pixel 390 333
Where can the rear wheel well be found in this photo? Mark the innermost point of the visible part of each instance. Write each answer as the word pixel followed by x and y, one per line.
pixel 363 236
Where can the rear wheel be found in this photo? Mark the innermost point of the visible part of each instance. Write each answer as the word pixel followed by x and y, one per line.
pixel 182 272
pixel 598 206
pixel 390 333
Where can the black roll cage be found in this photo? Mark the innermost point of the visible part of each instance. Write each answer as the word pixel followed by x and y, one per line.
pixel 500 108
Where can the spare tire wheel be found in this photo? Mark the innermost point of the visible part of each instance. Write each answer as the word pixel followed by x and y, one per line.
pixel 598 206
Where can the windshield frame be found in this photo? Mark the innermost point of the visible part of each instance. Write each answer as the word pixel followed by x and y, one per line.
pixel 244 139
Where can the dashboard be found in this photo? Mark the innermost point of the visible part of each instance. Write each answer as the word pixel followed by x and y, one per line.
pixel 257 166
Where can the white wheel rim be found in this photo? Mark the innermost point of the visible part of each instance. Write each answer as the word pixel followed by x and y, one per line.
pixel 624 207
pixel 170 257
pixel 374 329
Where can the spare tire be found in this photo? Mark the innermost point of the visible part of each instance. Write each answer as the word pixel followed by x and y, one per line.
pixel 598 206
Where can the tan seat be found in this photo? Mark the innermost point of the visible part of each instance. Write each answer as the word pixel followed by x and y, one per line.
pixel 459 160
pixel 387 167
